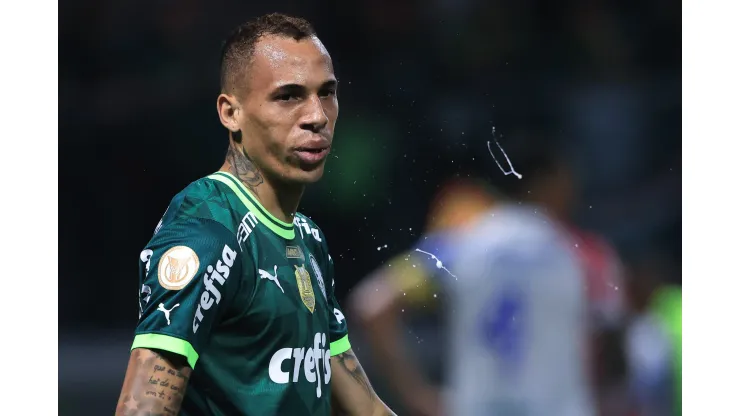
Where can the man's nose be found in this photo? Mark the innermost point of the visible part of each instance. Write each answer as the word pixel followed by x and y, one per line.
pixel 314 119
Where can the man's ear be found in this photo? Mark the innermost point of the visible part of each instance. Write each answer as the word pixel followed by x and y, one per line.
pixel 228 108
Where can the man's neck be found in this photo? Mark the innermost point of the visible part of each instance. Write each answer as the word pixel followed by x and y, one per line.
pixel 279 199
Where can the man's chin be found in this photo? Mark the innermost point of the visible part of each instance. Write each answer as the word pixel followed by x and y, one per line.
pixel 307 176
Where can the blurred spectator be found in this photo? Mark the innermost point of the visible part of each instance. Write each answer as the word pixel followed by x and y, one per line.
pixel 653 341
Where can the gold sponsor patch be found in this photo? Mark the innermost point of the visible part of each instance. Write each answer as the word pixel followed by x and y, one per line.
pixel 177 267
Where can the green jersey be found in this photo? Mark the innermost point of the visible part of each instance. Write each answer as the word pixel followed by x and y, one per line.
pixel 246 298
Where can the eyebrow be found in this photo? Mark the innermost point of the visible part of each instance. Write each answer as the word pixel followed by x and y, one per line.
pixel 295 88
pixel 330 83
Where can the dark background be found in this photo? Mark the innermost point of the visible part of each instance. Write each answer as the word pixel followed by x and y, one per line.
pixel 422 85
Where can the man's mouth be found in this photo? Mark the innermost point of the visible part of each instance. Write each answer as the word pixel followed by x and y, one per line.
pixel 311 155
pixel 311 149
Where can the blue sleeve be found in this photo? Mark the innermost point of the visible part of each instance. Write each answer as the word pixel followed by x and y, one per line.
pixel 436 254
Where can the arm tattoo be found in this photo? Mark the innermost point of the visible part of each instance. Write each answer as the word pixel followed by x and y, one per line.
pixel 351 365
pixel 352 393
pixel 154 385
pixel 243 168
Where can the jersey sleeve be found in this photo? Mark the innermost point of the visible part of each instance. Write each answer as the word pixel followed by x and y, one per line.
pixel 189 275
pixel 338 335
pixel 425 269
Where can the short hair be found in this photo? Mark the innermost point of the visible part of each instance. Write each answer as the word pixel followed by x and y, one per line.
pixel 238 49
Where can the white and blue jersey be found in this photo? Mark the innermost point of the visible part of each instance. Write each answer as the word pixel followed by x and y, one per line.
pixel 515 305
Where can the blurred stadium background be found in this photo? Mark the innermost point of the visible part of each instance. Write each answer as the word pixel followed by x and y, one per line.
pixel 422 85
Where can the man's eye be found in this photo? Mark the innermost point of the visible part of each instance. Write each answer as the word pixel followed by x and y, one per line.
pixel 328 93
pixel 287 97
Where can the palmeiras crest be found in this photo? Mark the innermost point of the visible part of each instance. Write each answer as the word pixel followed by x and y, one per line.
pixel 305 289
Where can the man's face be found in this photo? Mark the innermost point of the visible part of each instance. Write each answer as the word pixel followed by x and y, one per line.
pixel 290 108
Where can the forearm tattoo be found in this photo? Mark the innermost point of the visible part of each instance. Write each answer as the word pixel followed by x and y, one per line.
pixel 349 363
pixel 243 168
pixel 154 385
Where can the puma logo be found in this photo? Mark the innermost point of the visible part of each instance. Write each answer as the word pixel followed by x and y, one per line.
pixel 167 312
pixel 268 276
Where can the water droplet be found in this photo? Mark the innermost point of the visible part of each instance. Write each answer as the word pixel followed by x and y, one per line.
pixel 511 167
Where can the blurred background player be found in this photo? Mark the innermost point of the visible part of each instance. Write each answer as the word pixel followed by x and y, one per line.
pixel 402 286
pixel 501 300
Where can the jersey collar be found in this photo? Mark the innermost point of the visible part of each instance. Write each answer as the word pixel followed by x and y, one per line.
pixel 281 228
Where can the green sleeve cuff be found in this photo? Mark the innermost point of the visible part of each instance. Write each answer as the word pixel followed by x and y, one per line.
pixel 167 343
pixel 339 346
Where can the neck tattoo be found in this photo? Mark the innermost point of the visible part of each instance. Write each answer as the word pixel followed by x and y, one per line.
pixel 243 168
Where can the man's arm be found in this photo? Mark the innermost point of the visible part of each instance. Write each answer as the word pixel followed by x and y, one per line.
pixel 155 384
pixel 377 302
pixel 177 311
pixel 352 394
pixel 351 390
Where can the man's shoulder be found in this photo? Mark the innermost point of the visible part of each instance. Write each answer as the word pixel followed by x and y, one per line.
pixel 311 234
pixel 204 189
pixel 308 225
pixel 203 200
pixel 439 242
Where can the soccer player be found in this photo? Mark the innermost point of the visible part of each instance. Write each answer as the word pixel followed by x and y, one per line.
pixel 237 314
pixel 510 288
